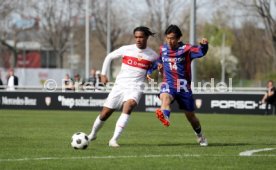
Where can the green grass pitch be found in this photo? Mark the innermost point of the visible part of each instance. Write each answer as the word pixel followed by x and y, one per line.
pixel 35 140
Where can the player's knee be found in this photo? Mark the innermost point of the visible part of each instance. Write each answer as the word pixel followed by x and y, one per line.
pixel 132 103
pixel 129 106
pixel 104 115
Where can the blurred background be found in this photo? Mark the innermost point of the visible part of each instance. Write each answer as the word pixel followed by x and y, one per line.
pixel 51 38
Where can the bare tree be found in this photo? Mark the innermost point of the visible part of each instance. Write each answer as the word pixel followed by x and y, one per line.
pixel 161 13
pixel 249 47
pixel 117 29
pixel 57 24
pixel 6 8
pixel 262 9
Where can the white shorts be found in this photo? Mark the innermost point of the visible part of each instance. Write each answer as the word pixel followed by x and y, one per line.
pixel 119 95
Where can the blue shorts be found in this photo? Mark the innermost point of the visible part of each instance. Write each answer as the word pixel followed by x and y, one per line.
pixel 184 99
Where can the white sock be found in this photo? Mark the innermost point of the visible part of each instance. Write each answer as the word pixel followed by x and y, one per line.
pixel 120 125
pixel 95 128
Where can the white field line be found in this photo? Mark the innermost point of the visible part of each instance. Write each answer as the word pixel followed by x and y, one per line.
pixel 124 156
pixel 251 152
pixel 97 157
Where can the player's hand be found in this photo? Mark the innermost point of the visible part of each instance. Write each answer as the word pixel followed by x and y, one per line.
pixel 149 77
pixel 203 41
pixel 160 68
pixel 104 79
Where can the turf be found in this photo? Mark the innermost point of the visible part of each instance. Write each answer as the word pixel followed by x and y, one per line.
pixel 41 140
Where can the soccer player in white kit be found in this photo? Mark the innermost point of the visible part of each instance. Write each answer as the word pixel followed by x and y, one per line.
pixel 126 93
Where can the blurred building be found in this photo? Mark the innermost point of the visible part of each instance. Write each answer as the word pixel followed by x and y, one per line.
pixel 30 54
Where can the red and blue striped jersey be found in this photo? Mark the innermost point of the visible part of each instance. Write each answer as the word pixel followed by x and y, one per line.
pixel 177 62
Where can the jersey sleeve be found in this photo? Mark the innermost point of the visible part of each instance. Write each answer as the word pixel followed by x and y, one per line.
pixel 154 66
pixel 155 63
pixel 198 51
pixel 111 56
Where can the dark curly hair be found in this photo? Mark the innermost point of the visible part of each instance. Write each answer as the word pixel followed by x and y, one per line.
pixel 145 30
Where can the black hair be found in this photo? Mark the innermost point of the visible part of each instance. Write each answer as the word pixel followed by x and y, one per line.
pixel 174 29
pixel 145 30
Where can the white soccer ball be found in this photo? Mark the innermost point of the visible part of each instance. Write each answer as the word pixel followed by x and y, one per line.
pixel 79 140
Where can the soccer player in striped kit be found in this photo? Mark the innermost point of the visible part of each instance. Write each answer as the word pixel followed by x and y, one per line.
pixel 126 93
pixel 175 65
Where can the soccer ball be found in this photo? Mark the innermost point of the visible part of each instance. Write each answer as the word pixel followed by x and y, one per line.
pixel 79 140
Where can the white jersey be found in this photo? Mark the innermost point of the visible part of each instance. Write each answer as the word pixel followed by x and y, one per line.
pixel 135 63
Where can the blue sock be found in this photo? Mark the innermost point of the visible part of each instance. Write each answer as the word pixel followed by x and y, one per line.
pixel 167 112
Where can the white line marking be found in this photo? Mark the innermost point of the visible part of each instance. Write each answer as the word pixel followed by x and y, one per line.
pixel 126 157
pixel 97 157
pixel 250 152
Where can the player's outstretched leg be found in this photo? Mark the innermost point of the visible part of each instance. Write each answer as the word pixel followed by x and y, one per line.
pixel 99 122
pixel 197 128
pixel 162 117
pixel 95 128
